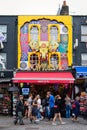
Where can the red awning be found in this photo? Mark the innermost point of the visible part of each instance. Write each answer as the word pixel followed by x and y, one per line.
pixel 43 77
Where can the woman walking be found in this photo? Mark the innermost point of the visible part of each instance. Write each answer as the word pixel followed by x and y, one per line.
pixel 57 110
pixel 75 109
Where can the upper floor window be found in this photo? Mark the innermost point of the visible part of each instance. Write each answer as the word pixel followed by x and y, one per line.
pixel 83 33
pixel 54 33
pixel 34 32
pixel 84 59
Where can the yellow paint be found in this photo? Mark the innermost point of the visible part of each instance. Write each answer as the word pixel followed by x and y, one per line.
pixel 66 20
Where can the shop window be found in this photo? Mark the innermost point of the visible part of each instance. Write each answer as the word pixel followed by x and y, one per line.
pixel 84 59
pixel 83 33
pixel 5 101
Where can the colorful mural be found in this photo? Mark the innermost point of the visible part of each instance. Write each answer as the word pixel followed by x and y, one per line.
pixel 44 42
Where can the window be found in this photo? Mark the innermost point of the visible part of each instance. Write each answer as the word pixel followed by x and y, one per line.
pixel 2 61
pixel 84 59
pixel 34 33
pixel 3 33
pixel 54 60
pixel 34 62
pixel 54 33
pixel 83 33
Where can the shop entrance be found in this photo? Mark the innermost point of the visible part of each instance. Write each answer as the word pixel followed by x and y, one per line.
pixel 42 89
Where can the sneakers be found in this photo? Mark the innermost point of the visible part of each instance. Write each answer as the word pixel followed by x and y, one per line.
pixel 15 122
pixel 37 120
pixel 41 118
pixel 31 120
pixel 21 123
pixel 63 123
pixel 53 123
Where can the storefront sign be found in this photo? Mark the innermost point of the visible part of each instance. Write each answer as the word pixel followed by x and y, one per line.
pixel 25 91
pixel 6 74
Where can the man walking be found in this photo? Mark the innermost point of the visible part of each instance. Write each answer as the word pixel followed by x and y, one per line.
pixel 51 104
pixel 19 111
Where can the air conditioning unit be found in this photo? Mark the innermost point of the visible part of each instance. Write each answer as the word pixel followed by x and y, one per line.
pixel 24 65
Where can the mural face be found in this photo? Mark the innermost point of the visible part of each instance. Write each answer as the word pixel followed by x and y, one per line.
pixel 48 40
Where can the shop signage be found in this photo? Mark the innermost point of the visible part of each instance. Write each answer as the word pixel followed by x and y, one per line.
pixel 6 74
pixel 25 91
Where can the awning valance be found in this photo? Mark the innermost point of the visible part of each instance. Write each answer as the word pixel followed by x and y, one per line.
pixel 43 77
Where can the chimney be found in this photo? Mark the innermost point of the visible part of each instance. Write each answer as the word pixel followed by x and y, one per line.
pixel 64 9
pixel 64 3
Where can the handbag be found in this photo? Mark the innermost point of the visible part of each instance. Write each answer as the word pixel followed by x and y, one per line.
pixel 73 105
pixel 55 106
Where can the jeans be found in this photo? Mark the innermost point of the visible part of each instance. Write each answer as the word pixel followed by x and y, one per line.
pixel 68 111
pixel 19 117
pixel 38 114
pixel 47 111
pixel 51 112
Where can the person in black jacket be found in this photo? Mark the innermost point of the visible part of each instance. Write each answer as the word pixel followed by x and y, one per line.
pixel 57 110
pixel 19 111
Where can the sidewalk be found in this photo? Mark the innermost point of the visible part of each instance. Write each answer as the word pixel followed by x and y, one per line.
pixel 6 123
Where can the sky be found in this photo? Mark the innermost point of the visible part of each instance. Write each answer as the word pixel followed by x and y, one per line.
pixel 41 7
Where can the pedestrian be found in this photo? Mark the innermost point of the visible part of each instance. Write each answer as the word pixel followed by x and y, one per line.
pixel 68 106
pixel 19 111
pixel 29 100
pixel 25 109
pixel 39 106
pixel 46 106
pixel 57 110
pixel 51 104
pixel 33 116
pixel 75 109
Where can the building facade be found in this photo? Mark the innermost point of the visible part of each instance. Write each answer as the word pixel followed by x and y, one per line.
pixel 80 51
pixel 44 42
pixel 8 59
pixel 41 50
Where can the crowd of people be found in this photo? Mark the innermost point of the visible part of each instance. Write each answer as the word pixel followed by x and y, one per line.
pixel 49 108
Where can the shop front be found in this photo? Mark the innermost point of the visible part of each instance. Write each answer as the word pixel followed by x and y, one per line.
pixel 44 55
pixel 81 79
pixel 5 96
pixel 44 50
pixel 81 86
pixel 43 81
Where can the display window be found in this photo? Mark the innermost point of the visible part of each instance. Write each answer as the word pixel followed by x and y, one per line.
pixel 5 101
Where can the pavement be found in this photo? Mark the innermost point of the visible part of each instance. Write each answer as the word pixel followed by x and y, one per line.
pixel 6 123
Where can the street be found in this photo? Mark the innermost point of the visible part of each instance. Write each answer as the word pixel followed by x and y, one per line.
pixel 6 123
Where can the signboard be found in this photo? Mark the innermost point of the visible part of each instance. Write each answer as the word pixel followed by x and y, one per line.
pixel 6 74
pixel 25 91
